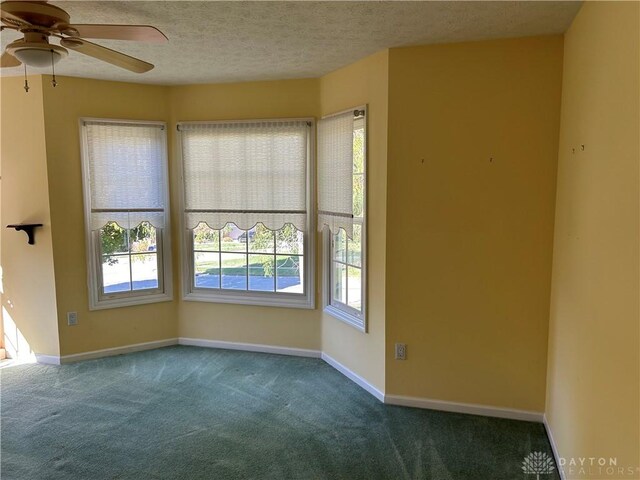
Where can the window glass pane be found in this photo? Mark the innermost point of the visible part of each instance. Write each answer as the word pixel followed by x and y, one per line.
pixel 340 246
pixel 261 239
pixel 256 271
pixel 113 239
pixel 289 240
pixel 261 273
pixel 116 276
pixel 289 274
pixel 355 246
pixel 355 287
pixel 142 238
pixel 205 238
pixel 234 271
pixel 233 239
pixel 340 282
pixel 207 269
pixel 358 195
pixel 144 271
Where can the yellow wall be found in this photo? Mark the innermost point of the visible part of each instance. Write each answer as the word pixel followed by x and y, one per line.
pixel 593 402
pixel 29 295
pixel 63 106
pixel 364 82
pixel 286 327
pixel 473 139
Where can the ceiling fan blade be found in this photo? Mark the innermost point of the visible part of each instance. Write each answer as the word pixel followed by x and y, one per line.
pixel 8 60
pixel 138 33
pixel 106 55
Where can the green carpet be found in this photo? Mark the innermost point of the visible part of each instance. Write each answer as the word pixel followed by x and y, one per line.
pixel 196 413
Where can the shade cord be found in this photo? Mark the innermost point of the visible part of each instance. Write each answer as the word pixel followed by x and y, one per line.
pixel 53 70
pixel 26 82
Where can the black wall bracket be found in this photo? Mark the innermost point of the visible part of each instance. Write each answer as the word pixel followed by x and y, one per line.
pixel 28 228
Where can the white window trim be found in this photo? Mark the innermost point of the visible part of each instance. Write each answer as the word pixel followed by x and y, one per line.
pixel 164 292
pixel 338 310
pixel 305 300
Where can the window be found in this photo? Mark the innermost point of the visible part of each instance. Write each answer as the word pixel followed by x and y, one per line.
pixel 247 196
pixel 124 167
pixel 343 149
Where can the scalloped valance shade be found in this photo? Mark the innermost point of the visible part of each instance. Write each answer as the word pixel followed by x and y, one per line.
pixel 245 173
pixel 125 173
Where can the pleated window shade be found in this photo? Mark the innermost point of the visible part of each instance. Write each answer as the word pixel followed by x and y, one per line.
pixel 245 173
pixel 335 173
pixel 126 173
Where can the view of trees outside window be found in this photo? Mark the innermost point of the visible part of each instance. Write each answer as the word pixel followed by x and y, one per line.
pixel 129 258
pixel 257 259
pixel 347 252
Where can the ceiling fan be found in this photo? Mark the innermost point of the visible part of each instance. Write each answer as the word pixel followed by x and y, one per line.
pixel 39 20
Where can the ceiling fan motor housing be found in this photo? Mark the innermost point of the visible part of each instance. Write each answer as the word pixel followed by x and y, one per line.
pixel 37 13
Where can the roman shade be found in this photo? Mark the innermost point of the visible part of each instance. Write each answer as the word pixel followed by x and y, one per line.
pixel 125 173
pixel 245 173
pixel 335 172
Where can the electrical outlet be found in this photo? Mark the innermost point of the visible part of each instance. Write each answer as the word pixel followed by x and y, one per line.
pixel 72 318
pixel 401 351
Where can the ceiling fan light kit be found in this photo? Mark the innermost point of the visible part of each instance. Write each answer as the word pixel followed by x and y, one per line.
pixel 39 20
pixel 37 57
pixel 36 51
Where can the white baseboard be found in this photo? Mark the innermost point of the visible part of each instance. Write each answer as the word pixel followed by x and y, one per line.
pixel 554 447
pixel 399 400
pixel 48 359
pixel 109 352
pixel 249 347
pixel 354 377
pixel 469 408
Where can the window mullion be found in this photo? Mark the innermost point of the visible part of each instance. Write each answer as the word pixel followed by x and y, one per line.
pixel 346 270
pixel 130 272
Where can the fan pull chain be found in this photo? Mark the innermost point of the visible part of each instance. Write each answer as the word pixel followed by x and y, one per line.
pixel 53 69
pixel 26 83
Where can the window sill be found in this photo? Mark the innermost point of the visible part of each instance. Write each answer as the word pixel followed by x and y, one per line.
pixel 130 301
pixel 348 318
pixel 252 298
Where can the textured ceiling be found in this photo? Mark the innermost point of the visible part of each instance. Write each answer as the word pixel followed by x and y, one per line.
pixel 212 42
